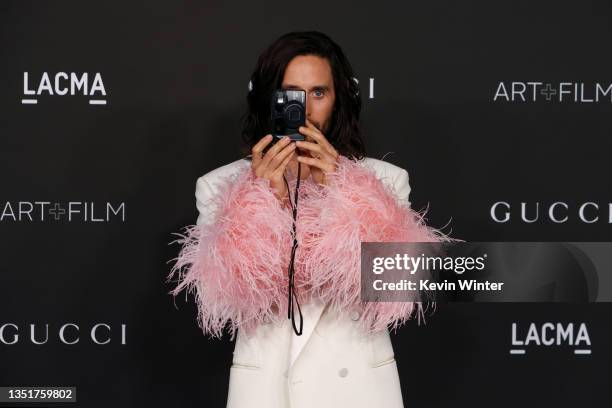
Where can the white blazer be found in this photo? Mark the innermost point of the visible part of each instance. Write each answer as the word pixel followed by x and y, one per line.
pixel 332 364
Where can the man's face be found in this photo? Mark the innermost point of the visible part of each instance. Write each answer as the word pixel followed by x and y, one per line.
pixel 313 74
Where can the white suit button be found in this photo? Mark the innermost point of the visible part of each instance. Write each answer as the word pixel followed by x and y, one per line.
pixel 343 372
pixel 355 315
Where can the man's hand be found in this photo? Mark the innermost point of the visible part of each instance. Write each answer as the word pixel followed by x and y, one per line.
pixel 271 165
pixel 322 157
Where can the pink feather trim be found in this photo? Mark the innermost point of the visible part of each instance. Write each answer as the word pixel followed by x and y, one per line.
pixel 357 207
pixel 238 265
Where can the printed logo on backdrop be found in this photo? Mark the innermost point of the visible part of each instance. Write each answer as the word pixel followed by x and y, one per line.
pixel 370 94
pixel 72 211
pixel 557 336
pixel 370 87
pixel 68 333
pixel 61 84
pixel 557 212
pixel 566 92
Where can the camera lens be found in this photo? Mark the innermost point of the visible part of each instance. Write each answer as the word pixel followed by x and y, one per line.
pixel 293 115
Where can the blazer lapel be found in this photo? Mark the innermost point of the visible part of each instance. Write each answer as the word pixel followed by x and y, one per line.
pixel 311 313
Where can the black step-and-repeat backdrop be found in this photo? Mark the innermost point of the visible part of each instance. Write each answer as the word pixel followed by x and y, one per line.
pixel 501 111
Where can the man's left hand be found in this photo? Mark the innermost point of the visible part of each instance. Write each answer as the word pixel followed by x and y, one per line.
pixel 322 158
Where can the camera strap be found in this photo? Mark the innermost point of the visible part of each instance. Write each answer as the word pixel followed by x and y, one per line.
pixel 292 294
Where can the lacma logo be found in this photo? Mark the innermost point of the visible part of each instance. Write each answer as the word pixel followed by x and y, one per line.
pixel 550 335
pixel 73 211
pixel 63 83
pixel 577 92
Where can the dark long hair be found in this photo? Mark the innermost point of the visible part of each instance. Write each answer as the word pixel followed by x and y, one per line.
pixel 344 132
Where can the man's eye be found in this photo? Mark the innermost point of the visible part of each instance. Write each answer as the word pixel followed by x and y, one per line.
pixel 321 93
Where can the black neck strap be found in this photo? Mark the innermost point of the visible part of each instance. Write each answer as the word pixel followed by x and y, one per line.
pixel 292 294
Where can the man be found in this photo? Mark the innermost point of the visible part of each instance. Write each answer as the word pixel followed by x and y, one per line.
pixel 237 254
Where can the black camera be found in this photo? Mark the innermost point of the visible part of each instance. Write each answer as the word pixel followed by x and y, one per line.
pixel 288 113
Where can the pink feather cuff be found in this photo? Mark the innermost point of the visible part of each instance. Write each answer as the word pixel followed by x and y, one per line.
pixel 357 207
pixel 237 264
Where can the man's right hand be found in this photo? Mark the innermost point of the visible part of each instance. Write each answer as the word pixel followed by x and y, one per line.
pixel 272 164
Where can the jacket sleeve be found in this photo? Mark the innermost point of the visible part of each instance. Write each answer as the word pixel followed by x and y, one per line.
pixel 357 207
pixel 234 257
pixel 402 188
pixel 204 204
